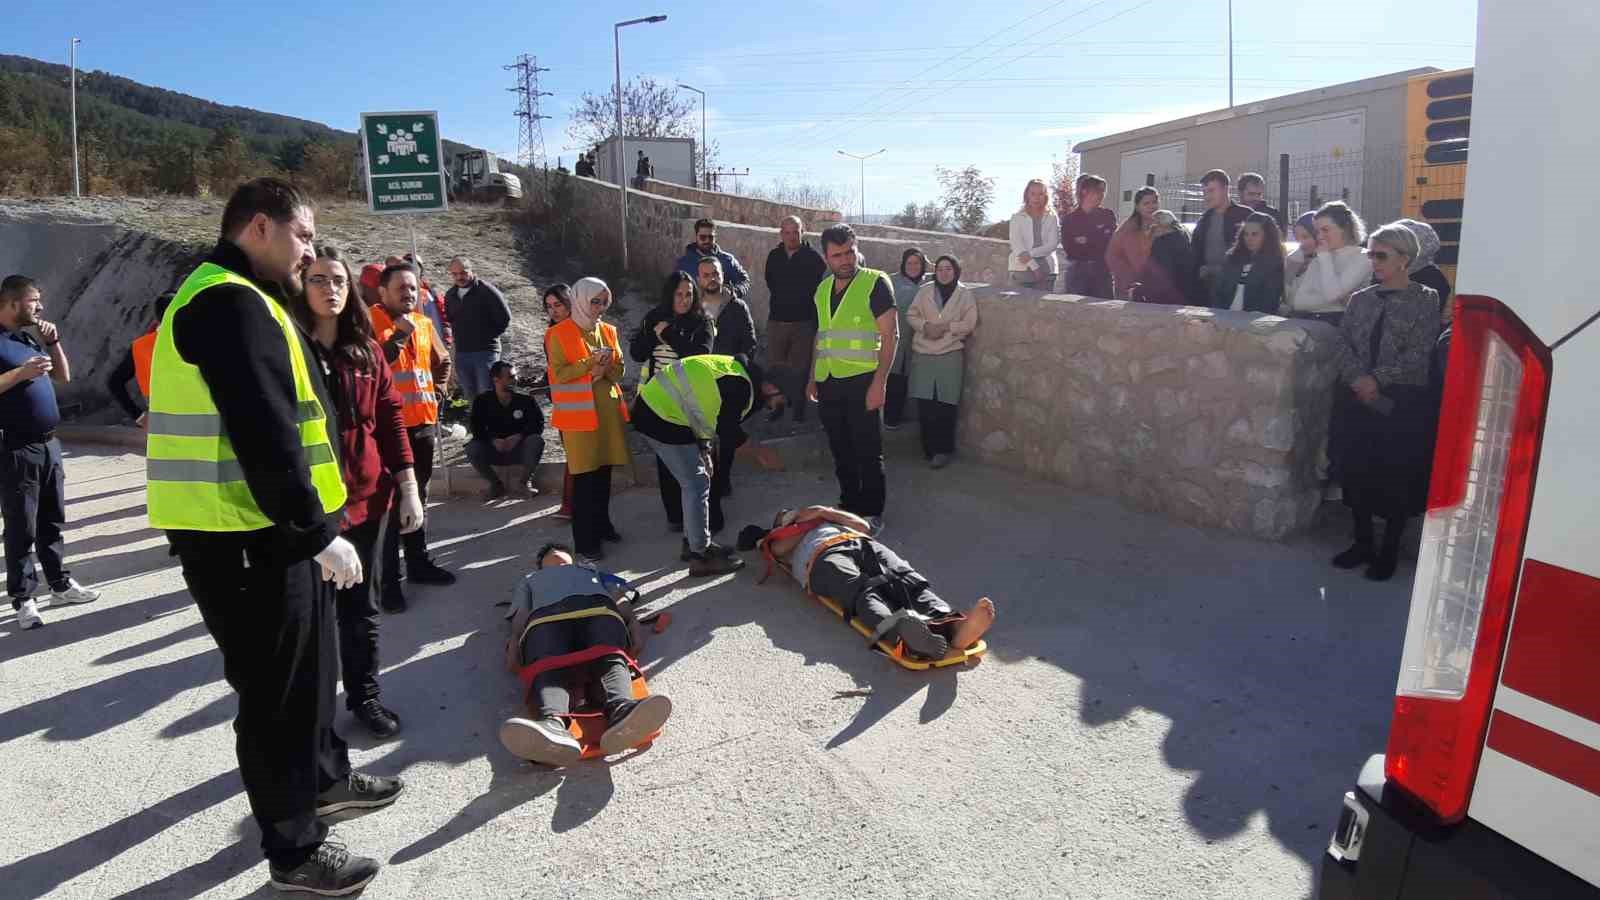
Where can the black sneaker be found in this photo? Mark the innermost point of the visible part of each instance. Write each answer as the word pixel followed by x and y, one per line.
pixel 330 871
pixel 1353 556
pixel 359 791
pixel 631 724
pixel 394 599
pixel 713 563
pixel 429 572
pixel 381 721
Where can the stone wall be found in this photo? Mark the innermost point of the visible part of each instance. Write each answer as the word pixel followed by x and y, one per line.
pixel 1211 417
pixel 656 227
pixel 743 210
pixel 982 259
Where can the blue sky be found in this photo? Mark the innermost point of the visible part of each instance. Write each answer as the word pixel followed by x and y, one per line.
pixel 938 82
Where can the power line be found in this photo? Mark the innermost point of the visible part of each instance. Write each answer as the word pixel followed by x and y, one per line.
pixel 530 134
pixel 813 54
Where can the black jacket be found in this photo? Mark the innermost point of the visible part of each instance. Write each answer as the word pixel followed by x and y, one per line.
pixel 1232 218
pixel 736 331
pixel 117 384
pixel 685 335
pixel 1168 275
pixel 477 318
pixel 1263 288
pixel 239 348
pixel 792 282
pixel 1272 211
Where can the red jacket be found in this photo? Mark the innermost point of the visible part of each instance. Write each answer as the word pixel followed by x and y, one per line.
pixel 372 437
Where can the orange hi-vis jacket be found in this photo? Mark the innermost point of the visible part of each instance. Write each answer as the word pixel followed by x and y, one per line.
pixel 413 368
pixel 572 402
pixel 144 348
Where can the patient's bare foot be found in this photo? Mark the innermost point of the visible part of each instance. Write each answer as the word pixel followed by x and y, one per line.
pixel 979 619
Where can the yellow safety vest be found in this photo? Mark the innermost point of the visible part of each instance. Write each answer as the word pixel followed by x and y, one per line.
pixel 195 482
pixel 848 340
pixel 685 392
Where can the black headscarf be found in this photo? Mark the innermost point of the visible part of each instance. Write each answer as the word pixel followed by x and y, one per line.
pixel 910 252
pixel 946 291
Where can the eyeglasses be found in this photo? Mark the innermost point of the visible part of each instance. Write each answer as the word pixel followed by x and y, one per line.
pixel 325 280
pixel 1380 255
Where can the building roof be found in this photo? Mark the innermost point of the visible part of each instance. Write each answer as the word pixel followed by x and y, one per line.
pixel 1365 85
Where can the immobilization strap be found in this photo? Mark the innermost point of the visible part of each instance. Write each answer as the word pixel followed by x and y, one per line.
pixel 889 624
pixel 795 530
pixel 538 667
pixel 568 616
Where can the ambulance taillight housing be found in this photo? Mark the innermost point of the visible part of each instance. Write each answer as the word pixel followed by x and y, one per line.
pixel 1496 387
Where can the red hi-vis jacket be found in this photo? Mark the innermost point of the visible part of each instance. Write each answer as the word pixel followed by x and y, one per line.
pixel 572 402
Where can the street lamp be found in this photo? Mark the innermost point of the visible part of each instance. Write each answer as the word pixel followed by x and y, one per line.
pixel 863 160
pixel 705 179
pixel 622 179
pixel 72 50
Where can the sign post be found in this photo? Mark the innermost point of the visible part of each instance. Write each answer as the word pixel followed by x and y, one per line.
pixel 405 162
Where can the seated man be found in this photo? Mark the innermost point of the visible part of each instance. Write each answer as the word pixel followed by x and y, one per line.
pixel 828 552
pixel 507 430
pixel 570 631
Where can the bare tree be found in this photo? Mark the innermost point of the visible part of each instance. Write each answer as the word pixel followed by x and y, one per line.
pixel 967 195
pixel 650 109
pixel 794 192
pixel 1063 180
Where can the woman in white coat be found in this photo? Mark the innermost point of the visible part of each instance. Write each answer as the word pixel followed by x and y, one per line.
pixel 1035 235
pixel 943 314
pixel 1339 269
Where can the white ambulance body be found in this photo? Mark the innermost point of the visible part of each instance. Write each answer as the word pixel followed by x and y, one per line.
pixel 1490 786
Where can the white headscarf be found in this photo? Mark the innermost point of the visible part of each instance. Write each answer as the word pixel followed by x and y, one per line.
pixel 584 290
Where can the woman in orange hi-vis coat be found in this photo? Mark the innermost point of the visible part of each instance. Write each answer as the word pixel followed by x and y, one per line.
pixel 587 407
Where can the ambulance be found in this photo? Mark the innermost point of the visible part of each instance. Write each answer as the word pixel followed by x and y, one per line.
pixel 1490 783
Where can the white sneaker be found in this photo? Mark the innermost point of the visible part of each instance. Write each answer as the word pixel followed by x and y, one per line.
pixel 540 740
pixel 28 615
pixel 75 593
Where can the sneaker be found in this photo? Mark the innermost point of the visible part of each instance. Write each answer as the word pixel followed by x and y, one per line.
pixel 530 486
pixel 429 572
pixel 1353 556
pixel 874 526
pixel 713 562
pixel 940 460
pixel 494 492
pixel 378 719
pixel 359 791
pixel 540 740
pixel 712 549
pixel 28 616
pixel 591 560
pixel 74 593
pixel 635 722
pixel 330 871
pixel 394 599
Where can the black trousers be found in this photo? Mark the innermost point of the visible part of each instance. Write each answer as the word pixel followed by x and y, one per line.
pixel 938 427
pixel 1089 277
pixel 856 439
pixel 416 543
pixel 591 510
pixel 842 574
pixel 273 620
pixel 551 693
pixel 33 501
pixel 894 398
pixel 358 622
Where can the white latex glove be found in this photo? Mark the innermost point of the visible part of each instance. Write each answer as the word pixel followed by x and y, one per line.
pixel 411 513
pixel 340 564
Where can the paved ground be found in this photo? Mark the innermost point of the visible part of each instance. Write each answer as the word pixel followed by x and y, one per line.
pixel 1166 712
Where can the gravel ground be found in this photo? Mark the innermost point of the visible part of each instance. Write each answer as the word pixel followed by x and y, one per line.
pixel 1166 712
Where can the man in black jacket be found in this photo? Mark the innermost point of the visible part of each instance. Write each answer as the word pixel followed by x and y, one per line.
pixel 1215 233
pixel 507 429
pixel 794 269
pixel 1253 193
pixel 733 334
pixel 267 596
pixel 478 316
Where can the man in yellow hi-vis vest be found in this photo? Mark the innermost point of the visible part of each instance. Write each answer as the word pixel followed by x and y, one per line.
pixel 857 329
pixel 243 473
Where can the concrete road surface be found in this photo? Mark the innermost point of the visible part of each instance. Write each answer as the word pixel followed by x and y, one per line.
pixel 1166 712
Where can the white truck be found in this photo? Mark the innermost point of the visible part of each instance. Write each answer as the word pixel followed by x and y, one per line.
pixel 1490 783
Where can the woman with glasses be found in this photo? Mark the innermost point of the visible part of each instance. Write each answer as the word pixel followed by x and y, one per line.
pixel 1380 437
pixel 587 407
pixel 558 307
pixel 376 457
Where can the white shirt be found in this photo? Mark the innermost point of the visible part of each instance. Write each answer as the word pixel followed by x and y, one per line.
pixel 1332 277
pixel 1043 255
pixel 805 552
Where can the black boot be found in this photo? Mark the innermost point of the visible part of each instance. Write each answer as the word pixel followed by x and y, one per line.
pixel 419 568
pixel 1360 552
pixel 393 600
pixel 1388 559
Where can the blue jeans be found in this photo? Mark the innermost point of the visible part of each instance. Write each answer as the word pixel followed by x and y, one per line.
pixel 685 464
pixel 472 371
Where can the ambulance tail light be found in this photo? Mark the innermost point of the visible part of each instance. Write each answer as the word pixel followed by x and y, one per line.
pixel 1496 387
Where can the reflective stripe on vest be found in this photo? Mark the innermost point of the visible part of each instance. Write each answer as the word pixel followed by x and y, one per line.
pixel 847 340
pixel 195 481
pixel 685 393
pixel 413 368
pixel 143 348
pixel 572 402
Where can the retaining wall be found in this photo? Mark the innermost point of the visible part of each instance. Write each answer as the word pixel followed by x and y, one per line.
pixel 1212 417
pixel 744 210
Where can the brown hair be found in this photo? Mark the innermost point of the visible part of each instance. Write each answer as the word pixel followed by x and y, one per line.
pixel 1094 182
pixel 354 337
pixel 1215 175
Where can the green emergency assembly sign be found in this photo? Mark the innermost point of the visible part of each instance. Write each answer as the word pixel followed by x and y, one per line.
pixel 405 165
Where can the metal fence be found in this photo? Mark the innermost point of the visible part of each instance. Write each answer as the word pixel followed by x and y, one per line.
pixel 1382 184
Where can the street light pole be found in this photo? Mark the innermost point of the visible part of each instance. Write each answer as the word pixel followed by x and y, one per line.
pixel 863 160
pixel 622 179
pixel 705 179
pixel 72 49
pixel 1230 54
